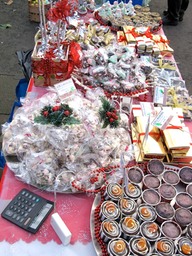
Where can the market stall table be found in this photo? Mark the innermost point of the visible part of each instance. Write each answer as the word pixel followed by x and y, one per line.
pixel 74 209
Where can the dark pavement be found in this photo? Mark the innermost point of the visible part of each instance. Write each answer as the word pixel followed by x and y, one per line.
pixel 20 36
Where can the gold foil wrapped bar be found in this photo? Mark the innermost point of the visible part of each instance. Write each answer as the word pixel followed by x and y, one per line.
pixel 177 137
pixel 127 30
pixel 148 139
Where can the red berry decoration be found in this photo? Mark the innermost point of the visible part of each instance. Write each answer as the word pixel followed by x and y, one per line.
pixel 45 113
pixel 108 114
pixel 56 108
pixel 57 115
pixel 111 120
pixel 66 113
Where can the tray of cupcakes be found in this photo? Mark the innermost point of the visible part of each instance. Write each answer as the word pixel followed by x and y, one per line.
pixel 147 213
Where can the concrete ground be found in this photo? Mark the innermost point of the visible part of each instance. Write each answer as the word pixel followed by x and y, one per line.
pixel 20 36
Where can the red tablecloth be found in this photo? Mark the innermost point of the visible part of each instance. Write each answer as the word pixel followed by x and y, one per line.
pixel 73 208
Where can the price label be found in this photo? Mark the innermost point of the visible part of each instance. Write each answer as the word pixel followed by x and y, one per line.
pixel 147 108
pixel 65 88
pixel 162 120
pixel 160 95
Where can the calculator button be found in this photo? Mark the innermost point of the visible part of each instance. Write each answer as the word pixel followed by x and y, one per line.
pixel 22 212
pixel 9 213
pixel 23 192
pixel 26 214
pixel 22 199
pixel 22 206
pixel 14 209
pixel 29 210
pixel 27 221
pixel 18 218
pixel 26 194
pixel 37 200
pixel 18 210
pixel 33 198
pixel 14 216
pixel 21 220
pixel 33 205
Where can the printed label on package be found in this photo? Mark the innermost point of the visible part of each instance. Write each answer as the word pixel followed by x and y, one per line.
pixel 160 95
pixel 147 108
pixel 162 120
pixel 65 88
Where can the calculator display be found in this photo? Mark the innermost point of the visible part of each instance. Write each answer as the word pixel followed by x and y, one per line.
pixel 28 210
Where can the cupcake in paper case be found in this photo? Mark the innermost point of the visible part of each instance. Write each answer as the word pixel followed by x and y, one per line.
pixel 185 174
pixel 164 212
pixel 109 210
pixel 113 191
pixel 130 226
pixel 183 217
pixel 171 229
pixel 165 247
pixel 167 192
pixel 184 246
pixel 140 246
pixel 151 181
pixel 155 167
pixel 150 230
pixel 171 177
pixel 135 175
pixel 183 199
pixel 133 191
pixel 146 213
pixel 151 196
pixel 118 247
pixel 109 229
pixel 127 206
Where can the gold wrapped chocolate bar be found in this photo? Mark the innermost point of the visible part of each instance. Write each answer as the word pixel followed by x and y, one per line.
pixel 177 140
pixel 147 139
pixel 128 33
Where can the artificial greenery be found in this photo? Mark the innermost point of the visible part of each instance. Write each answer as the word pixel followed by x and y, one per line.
pixel 108 114
pixel 57 115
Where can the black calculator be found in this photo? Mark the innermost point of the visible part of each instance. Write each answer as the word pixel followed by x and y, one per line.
pixel 28 210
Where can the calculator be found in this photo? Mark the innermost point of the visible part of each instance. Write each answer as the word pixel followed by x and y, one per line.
pixel 28 210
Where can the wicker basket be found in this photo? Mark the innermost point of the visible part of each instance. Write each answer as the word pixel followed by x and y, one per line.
pixel 34 11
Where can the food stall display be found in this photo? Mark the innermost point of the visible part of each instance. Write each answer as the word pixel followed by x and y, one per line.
pixel 112 123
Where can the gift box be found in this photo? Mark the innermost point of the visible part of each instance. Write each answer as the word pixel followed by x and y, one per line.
pixel 48 69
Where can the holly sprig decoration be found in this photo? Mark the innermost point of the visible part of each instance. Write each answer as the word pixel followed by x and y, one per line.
pixel 57 115
pixel 108 114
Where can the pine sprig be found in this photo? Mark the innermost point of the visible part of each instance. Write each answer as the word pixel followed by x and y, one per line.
pixel 108 114
pixel 57 115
